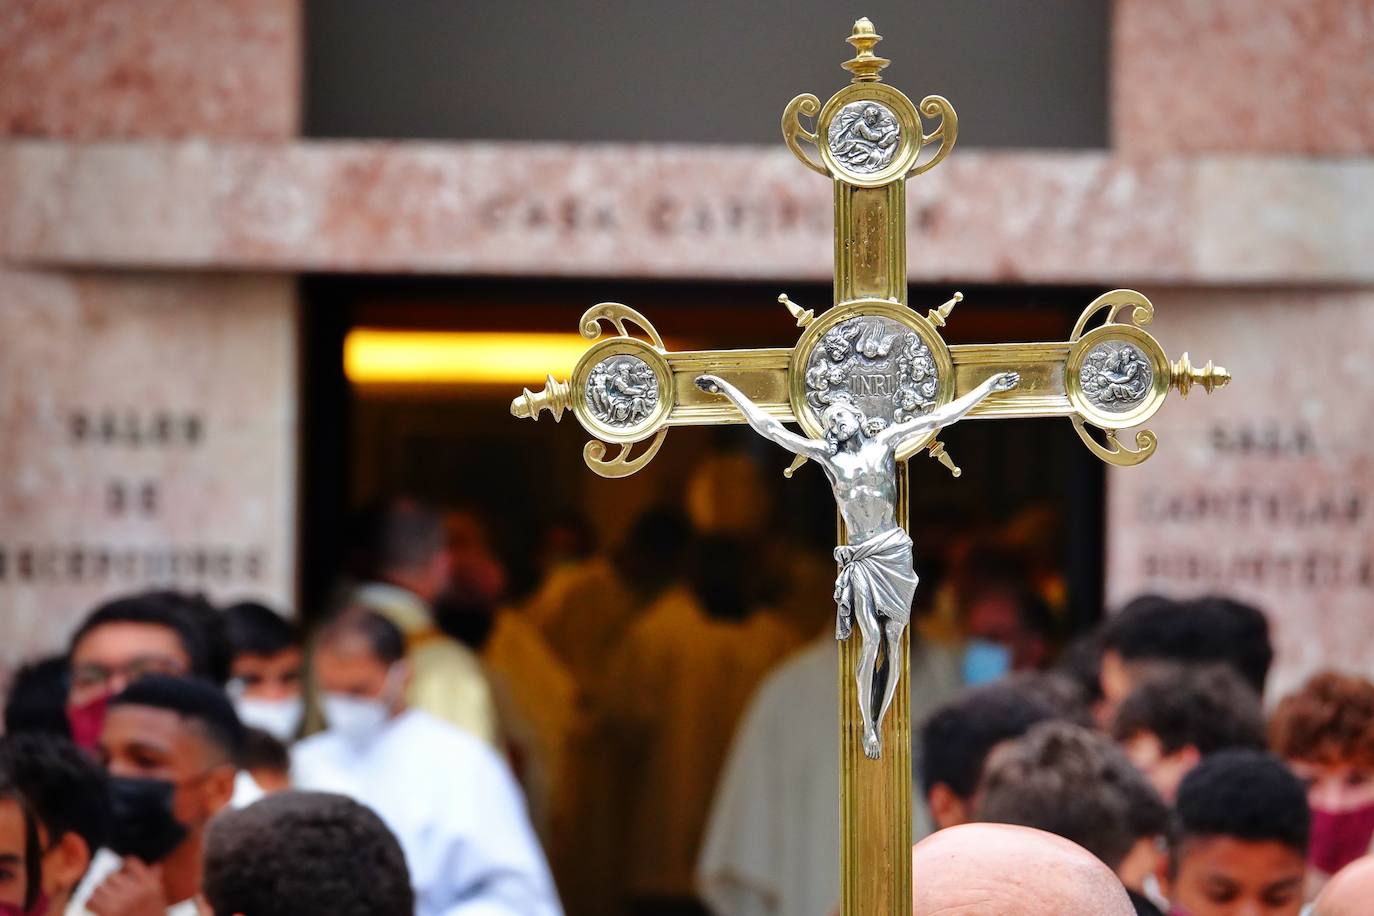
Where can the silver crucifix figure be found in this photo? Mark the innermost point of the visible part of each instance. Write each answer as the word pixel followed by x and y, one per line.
pixel 876 581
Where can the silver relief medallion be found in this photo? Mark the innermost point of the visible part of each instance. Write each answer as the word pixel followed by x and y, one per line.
pixel 864 137
pixel 877 364
pixel 1116 376
pixel 622 391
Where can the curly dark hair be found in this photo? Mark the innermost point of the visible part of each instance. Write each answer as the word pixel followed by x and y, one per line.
pixel 1247 795
pixel 1330 720
pixel 305 854
pixel 1210 708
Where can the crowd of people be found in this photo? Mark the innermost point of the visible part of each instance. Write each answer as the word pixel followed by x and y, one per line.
pixel 653 730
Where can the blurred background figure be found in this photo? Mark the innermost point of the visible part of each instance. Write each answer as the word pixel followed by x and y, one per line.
pixel 267 762
pixel 69 798
pixel 679 682
pixel 306 854
pixel 154 633
pixel 407 557
pixel 583 603
pixel 772 843
pixel 266 659
pixel 1177 715
pixel 1007 625
pixel 20 852
pixel 170 746
pixel 1151 630
pixel 997 869
pixel 536 699
pixel 1240 838
pixel 1067 780
pixel 37 698
pixel 957 739
pixel 447 796
pixel 1326 733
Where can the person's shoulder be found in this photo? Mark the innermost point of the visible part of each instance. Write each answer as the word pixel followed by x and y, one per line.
pixel 440 737
pixel 813 663
pixel 317 746
pixel 438 652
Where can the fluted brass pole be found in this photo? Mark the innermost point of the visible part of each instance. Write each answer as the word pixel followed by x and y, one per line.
pixel 875 795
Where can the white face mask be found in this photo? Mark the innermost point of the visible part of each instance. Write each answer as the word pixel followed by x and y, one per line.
pixel 279 718
pixel 359 720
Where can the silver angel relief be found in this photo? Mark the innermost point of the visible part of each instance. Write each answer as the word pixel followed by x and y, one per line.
pixel 877 364
pixel 622 390
pixel 1116 376
pixel 864 136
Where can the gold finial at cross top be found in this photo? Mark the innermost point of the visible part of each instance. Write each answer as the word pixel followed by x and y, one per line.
pixel 865 65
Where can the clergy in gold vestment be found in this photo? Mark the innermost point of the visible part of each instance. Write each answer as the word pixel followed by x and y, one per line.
pixel 681 678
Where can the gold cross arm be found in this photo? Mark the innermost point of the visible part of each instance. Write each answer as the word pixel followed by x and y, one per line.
pixel 1111 377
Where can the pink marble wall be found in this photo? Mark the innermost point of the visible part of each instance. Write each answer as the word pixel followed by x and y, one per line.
pixel 690 212
pixel 1264 489
pixel 1264 76
pixel 149 439
pixel 102 69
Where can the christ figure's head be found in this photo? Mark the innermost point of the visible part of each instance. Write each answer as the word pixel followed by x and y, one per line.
pixel 842 422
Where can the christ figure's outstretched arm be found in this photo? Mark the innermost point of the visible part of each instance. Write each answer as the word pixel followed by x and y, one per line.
pixel 952 412
pixel 765 425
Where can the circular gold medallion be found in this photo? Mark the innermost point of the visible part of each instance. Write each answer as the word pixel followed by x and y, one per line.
pixel 869 134
pixel 1117 375
pixel 622 390
pixel 882 358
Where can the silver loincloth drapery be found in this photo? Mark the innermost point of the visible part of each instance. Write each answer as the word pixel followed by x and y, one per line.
pixel 876 577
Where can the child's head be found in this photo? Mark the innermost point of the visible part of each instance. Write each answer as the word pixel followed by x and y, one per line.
pixel 1326 733
pixel 69 797
pixel 1178 714
pixel 1240 841
pixel 265 666
pixel 20 853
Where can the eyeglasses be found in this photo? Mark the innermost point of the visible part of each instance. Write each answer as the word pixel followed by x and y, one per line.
pixel 92 676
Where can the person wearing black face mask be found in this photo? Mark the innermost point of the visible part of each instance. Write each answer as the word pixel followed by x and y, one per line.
pixel 170 746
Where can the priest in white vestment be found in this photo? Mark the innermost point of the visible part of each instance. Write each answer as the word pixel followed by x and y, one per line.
pixel 447 796
pixel 772 845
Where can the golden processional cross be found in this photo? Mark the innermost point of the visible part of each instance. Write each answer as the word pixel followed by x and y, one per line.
pixel 870 382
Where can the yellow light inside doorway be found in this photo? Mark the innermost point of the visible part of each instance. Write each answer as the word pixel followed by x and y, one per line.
pixel 376 356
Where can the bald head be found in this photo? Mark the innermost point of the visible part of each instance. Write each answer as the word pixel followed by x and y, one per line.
pixel 1348 893
pixel 995 869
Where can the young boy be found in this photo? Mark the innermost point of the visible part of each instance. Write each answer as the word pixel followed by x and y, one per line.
pixel 67 793
pixel 1326 733
pixel 1179 714
pixel 265 662
pixel 1240 843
